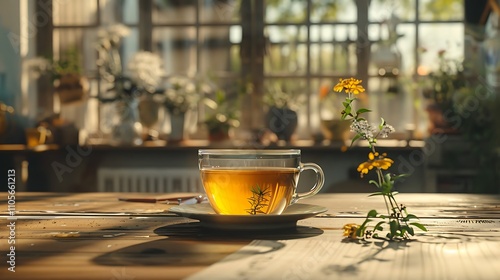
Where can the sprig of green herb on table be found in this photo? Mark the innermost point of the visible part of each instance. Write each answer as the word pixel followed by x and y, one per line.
pixel 258 200
pixel 400 223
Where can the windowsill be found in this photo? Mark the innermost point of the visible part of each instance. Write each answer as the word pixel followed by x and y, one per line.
pixel 197 144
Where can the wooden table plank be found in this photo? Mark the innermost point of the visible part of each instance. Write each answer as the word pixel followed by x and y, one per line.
pixel 111 239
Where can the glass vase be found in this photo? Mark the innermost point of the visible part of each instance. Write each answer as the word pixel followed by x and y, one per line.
pixel 127 129
pixel 177 122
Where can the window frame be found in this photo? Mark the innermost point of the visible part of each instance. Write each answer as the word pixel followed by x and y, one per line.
pixel 252 58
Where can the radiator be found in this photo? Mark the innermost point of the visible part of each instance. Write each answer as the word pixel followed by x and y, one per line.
pixel 151 180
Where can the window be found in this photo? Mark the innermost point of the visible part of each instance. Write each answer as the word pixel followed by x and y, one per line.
pixel 298 46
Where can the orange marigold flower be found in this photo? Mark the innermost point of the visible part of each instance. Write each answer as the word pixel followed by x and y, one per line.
pixel 350 230
pixel 323 91
pixel 379 161
pixel 350 85
pixel 339 86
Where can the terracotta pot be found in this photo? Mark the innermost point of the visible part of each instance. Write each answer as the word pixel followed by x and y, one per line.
pixel 438 122
pixel 71 88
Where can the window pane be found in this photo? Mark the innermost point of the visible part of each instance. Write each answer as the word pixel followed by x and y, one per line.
pixel 332 50
pixel 74 12
pixel 80 40
pixel 287 50
pixel 407 47
pixel 389 99
pixel 437 37
pixel 130 45
pixel 177 47
pixel 290 11
pixel 220 11
pixel 218 54
pixel 110 11
pixel 333 10
pixel 381 10
pixel 385 56
pixel 174 11
pixel 130 11
pixel 441 9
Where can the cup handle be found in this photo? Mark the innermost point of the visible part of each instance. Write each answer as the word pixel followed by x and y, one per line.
pixel 320 181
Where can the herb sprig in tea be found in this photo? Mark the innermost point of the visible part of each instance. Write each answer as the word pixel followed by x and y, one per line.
pixel 258 200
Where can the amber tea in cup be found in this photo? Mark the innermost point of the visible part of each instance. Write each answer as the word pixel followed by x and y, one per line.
pixel 251 182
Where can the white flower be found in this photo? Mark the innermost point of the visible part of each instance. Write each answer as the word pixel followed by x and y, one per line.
pixel 386 130
pixel 119 30
pixel 145 69
pixel 111 36
pixel 111 32
pixel 363 128
pixel 181 93
pixel 367 131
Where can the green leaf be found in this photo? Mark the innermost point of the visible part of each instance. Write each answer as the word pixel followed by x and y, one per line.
pixel 420 226
pixel 388 177
pixel 375 194
pixel 372 214
pixel 365 222
pixel 362 110
pixel 374 182
pixel 355 138
pixel 360 231
pixel 347 110
pixel 393 227
pixel 397 177
pixel 387 187
pixel 410 230
pixel 410 216
pixel 405 229
pixel 382 123
pixel 378 226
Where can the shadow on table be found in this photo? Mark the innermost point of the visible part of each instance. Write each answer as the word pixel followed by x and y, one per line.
pixel 188 244
pixel 376 248
pixel 195 230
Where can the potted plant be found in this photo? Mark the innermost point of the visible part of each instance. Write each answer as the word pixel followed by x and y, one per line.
pixel 180 95
pixel 282 117
pixel 141 75
pixel 223 114
pixel 440 88
pixel 65 74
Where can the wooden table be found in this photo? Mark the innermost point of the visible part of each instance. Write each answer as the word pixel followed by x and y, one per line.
pixel 96 236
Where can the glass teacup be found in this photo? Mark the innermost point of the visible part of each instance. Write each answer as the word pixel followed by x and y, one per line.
pixel 251 182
